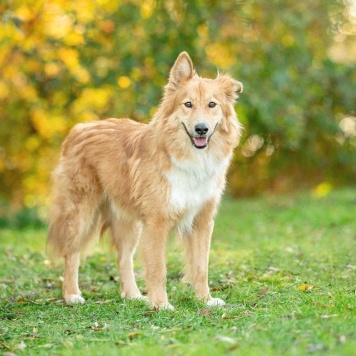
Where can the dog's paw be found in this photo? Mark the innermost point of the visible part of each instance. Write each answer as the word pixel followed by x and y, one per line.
pixel 71 299
pixel 134 296
pixel 166 306
pixel 215 302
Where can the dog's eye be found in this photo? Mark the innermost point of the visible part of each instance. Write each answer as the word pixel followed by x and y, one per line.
pixel 212 104
pixel 188 104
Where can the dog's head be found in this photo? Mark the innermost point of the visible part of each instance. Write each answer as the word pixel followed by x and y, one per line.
pixel 200 108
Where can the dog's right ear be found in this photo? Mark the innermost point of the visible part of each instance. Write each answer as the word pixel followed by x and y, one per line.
pixel 182 70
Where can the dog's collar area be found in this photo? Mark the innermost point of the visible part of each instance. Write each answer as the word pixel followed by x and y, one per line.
pixel 199 137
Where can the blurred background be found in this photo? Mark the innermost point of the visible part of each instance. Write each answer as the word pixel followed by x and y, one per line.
pixel 63 62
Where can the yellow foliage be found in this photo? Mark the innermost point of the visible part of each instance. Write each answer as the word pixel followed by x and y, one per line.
pixel 30 200
pixel 153 110
pixel 124 82
pixel 220 55
pixel 136 74
pixel 203 31
pixel 322 190
pixel 146 8
pixel 59 26
pixel 29 182
pixel 69 57
pixel 4 90
pixel 87 116
pixel 32 143
pixel 94 98
pixel 74 39
pixel 29 93
pixel 85 10
pixel 40 122
pixel 26 13
pixel 52 69
pixel 288 40
pixel 81 74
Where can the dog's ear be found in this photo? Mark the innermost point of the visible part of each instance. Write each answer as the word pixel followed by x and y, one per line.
pixel 230 86
pixel 182 69
pixel 237 86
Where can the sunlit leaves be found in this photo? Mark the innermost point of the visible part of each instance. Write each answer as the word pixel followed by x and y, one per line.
pixel 63 62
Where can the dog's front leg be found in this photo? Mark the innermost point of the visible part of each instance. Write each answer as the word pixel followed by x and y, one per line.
pixel 197 247
pixel 153 241
pixel 70 290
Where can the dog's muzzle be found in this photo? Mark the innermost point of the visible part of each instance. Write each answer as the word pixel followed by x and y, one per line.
pixel 200 139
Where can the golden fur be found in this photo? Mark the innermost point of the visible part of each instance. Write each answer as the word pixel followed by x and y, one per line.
pixel 143 181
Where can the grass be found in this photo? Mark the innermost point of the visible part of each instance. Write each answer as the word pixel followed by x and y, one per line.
pixel 286 266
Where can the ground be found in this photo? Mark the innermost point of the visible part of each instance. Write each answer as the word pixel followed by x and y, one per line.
pixel 286 266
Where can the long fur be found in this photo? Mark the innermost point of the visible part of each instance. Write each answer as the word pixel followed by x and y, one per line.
pixel 147 179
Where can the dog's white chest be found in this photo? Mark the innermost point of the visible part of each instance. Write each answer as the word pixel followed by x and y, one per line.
pixel 193 183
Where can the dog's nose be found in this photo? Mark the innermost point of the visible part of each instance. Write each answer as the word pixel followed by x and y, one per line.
pixel 201 128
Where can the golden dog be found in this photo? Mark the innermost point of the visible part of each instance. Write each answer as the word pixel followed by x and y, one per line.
pixel 141 181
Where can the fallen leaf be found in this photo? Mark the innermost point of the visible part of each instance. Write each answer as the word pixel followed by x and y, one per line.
pixel 50 300
pixel 68 343
pixel 341 339
pixel 204 311
pixel 306 287
pixel 21 346
pixel 225 339
pixel 263 291
pixel 315 347
pixel 46 346
pixel 134 334
pixel 232 347
pixel 328 316
pixel 103 301
pixel 241 315
pixel 273 269
pixel 97 328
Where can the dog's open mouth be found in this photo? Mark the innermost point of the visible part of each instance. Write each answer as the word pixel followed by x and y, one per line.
pixel 200 141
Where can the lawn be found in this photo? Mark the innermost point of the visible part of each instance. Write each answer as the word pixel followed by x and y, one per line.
pixel 286 266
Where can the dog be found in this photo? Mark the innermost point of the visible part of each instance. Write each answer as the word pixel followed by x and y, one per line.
pixel 143 181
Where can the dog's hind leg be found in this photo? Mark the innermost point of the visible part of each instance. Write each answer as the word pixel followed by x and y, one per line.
pixel 72 227
pixel 125 236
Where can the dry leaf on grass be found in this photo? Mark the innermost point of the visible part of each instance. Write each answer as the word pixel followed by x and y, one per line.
pixel 134 334
pixel 306 287
pixel 204 311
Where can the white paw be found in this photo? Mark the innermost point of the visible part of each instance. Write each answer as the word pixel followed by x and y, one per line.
pixel 137 296
pixel 215 302
pixel 163 306
pixel 166 307
pixel 74 299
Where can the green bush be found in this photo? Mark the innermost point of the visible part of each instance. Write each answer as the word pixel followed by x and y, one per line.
pixel 67 62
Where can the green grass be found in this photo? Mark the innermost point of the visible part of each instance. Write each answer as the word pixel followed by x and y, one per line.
pixel 263 251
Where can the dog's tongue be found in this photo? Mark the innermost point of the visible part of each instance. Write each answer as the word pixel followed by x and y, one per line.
pixel 200 141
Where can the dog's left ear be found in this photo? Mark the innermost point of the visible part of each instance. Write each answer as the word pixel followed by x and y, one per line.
pixel 230 86
pixel 237 86
pixel 182 69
